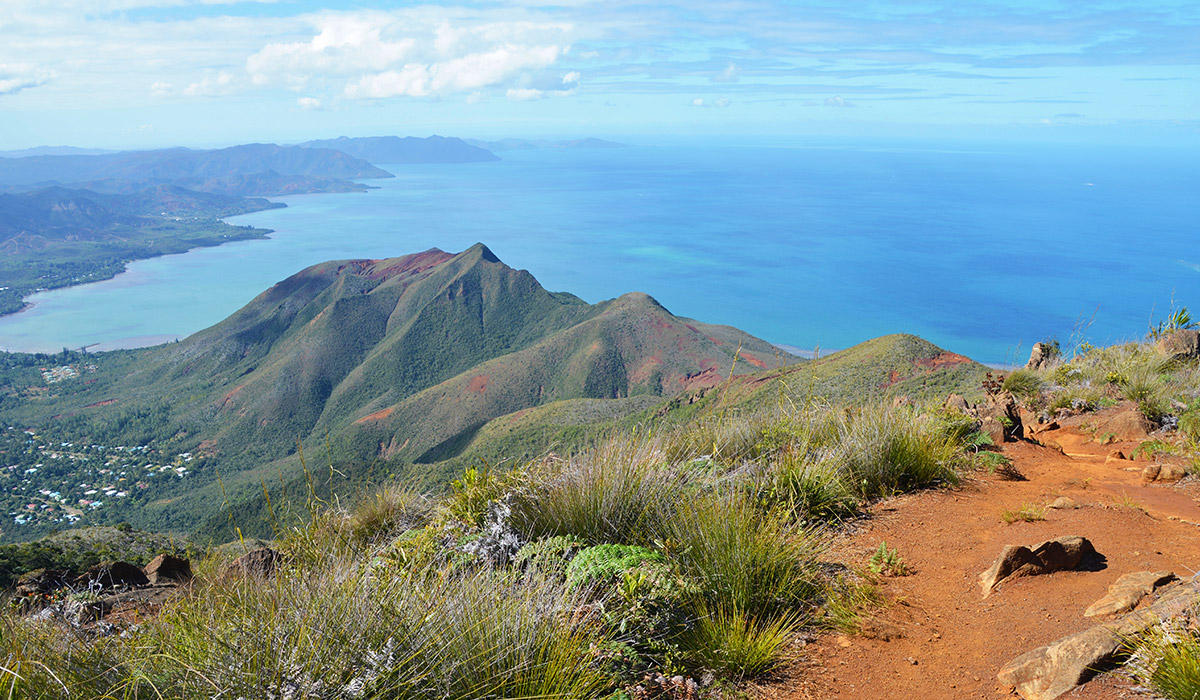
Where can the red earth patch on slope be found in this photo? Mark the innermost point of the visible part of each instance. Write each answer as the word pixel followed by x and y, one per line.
pixel 378 415
pixel 478 384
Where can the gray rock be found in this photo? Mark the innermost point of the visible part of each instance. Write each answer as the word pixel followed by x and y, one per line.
pixel 1048 672
pixel 1124 595
pixel 258 563
pixel 1016 561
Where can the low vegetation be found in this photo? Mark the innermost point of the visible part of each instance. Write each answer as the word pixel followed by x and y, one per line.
pixel 569 577
pixel 1166 662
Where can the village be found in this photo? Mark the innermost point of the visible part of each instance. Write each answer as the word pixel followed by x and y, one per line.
pixel 49 483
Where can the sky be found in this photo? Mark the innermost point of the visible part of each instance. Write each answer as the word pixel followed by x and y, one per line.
pixel 204 73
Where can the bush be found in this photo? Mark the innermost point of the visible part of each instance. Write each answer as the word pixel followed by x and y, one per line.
pixel 1167 661
pixel 608 562
pixel 887 450
pixel 735 645
pixel 621 492
pixel 390 511
pixel 745 559
pixel 1025 384
pixel 548 557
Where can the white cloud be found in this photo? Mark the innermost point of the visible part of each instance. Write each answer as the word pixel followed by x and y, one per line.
pixel 15 77
pixel 729 75
pixel 522 94
pixel 308 103
pixel 838 101
pixel 721 102
pixel 161 89
pixel 221 83
pixel 698 102
pixel 422 52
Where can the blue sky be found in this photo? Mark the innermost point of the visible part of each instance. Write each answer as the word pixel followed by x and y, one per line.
pixel 146 73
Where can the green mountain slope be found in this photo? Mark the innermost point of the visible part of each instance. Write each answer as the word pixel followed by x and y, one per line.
pixel 398 361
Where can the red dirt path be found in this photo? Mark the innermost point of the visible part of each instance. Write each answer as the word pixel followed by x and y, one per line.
pixel 952 642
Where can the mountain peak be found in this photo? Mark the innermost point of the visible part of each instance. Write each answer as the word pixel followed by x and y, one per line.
pixel 482 251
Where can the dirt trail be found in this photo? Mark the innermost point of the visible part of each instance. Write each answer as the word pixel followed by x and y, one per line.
pixel 951 641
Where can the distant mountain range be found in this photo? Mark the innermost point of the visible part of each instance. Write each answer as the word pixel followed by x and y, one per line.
pixel 54 151
pixel 526 144
pixel 407 150
pixel 252 169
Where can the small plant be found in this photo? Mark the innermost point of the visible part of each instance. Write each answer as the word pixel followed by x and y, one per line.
pixel 1024 384
pixel 1127 501
pixel 993 384
pixel 1028 513
pixel 850 598
pixel 1150 449
pixel 887 562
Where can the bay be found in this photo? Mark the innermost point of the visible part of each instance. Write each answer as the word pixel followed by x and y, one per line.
pixel 982 248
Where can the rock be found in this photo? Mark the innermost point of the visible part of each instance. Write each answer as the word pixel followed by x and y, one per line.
pixel 1115 456
pixel 1126 424
pixel 1048 672
pixel 1016 561
pixel 1163 473
pixel 1063 503
pixel 168 569
pixel 957 403
pixel 111 575
pixel 1001 418
pixel 1171 473
pixel 1039 428
pixel 1038 357
pixel 41 582
pixel 1124 595
pixel 258 563
pixel 1180 345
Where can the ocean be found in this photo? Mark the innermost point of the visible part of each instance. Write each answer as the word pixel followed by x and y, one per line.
pixel 981 248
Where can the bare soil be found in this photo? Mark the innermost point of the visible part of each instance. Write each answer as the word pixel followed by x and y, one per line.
pixel 938 638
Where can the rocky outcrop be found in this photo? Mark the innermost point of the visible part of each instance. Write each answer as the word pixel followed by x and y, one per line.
pixel 1181 345
pixel 112 574
pixel 1128 424
pixel 259 563
pixel 40 582
pixel 1016 561
pixel 1038 357
pixel 999 415
pixel 1050 671
pixel 1128 591
pixel 168 569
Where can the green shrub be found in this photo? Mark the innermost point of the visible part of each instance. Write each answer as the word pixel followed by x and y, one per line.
pixel 471 493
pixel 389 511
pixel 806 488
pixel 620 492
pixel 743 558
pixel 1025 384
pixel 887 562
pixel 1167 661
pixel 607 563
pixel 737 646
pixel 548 557
pixel 884 450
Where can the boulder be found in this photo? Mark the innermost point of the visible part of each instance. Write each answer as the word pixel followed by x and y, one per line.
pixel 41 582
pixel 258 563
pixel 1128 590
pixel 1050 671
pixel 1180 345
pixel 954 402
pixel 1017 561
pixel 1163 473
pixel 1038 357
pixel 1001 418
pixel 1126 424
pixel 112 574
pixel 168 569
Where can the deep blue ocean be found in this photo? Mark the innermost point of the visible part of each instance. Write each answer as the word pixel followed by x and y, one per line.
pixel 983 249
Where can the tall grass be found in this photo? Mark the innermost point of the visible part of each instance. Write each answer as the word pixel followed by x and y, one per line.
pixel 310 634
pixel 1166 660
pixel 622 492
pixel 884 450
pixel 746 559
pixel 737 645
